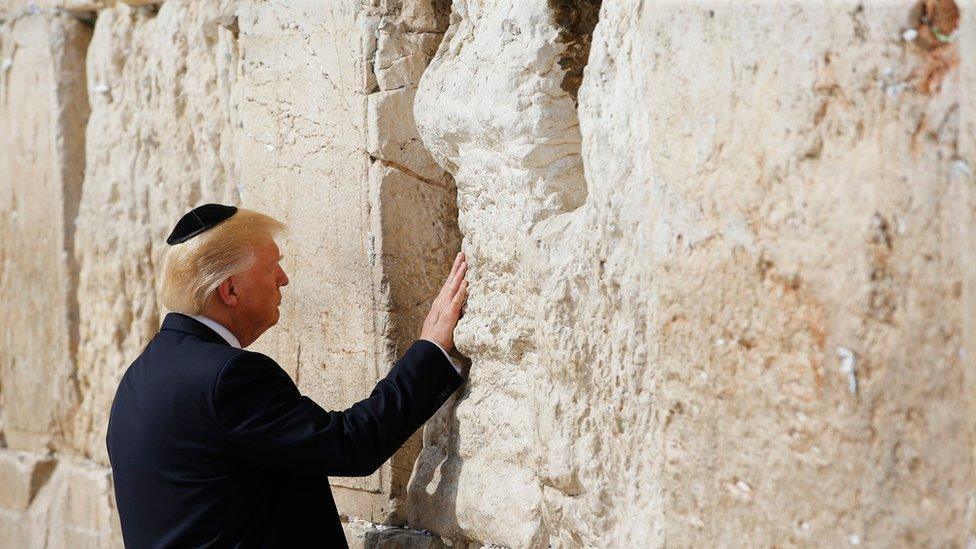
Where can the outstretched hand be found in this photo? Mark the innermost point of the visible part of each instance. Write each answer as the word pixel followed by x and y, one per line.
pixel 446 309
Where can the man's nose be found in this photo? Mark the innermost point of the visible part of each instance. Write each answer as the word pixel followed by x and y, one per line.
pixel 283 278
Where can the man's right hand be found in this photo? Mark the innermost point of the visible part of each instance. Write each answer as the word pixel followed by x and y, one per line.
pixel 446 309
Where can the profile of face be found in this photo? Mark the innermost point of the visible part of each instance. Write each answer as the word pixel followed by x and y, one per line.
pixel 256 294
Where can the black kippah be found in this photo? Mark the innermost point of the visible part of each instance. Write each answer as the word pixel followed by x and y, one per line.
pixel 199 219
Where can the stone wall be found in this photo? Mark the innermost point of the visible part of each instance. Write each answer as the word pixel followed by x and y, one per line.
pixel 721 256
pixel 328 145
pixel 751 328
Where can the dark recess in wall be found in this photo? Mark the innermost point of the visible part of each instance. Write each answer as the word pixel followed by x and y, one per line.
pixel 576 20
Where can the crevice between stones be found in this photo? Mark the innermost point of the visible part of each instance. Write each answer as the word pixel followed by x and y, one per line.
pixel 576 20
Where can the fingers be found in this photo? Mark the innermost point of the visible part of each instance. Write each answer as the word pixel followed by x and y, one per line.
pixel 458 301
pixel 450 287
pixel 458 259
pixel 458 279
pixel 450 284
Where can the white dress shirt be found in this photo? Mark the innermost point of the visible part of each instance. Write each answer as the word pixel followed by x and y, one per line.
pixel 232 340
pixel 219 328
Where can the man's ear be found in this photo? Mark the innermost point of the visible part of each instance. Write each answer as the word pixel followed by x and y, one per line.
pixel 227 292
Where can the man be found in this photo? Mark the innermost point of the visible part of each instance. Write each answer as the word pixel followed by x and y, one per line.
pixel 212 445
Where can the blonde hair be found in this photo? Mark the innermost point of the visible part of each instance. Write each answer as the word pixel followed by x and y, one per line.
pixel 193 269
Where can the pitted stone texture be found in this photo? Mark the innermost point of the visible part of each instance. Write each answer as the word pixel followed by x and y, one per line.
pixel 806 274
pixel 160 141
pixel 364 535
pixel 344 168
pixel 751 329
pixel 13 9
pixel 43 109
pixel 748 325
pixel 56 504
pixel 491 109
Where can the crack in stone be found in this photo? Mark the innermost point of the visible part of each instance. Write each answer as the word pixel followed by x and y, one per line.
pixel 407 171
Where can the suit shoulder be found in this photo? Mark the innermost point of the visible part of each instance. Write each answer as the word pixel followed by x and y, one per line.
pixel 251 364
pixel 185 357
pixel 250 381
pixel 245 357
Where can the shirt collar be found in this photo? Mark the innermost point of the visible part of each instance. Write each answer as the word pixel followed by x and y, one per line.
pixel 219 328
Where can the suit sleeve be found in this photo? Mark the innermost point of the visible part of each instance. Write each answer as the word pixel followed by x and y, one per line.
pixel 449 359
pixel 268 422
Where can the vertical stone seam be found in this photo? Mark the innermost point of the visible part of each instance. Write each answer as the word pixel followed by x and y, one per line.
pixel 371 221
pixel 71 159
pixel 386 334
pixel 966 151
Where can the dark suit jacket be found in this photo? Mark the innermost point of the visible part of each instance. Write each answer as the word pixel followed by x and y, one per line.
pixel 213 446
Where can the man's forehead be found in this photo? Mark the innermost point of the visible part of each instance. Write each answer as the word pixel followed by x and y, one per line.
pixel 270 249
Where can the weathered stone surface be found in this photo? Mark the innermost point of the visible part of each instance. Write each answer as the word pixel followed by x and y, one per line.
pixel 22 474
pixel 365 535
pixel 827 232
pixel 746 322
pixel 491 109
pixel 967 108
pixel 81 508
pixel 56 504
pixel 402 54
pixel 13 9
pixel 43 110
pixel 392 137
pixel 750 329
pixel 160 140
pixel 371 217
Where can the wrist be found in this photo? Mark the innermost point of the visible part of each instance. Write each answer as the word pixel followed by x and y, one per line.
pixel 453 361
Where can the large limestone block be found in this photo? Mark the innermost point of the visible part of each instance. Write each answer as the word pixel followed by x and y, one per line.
pixel 302 86
pixel 43 109
pixel 81 508
pixel 392 137
pixel 495 108
pixel 56 504
pixel 329 146
pixel 22 474
pixel 161 139
pixel 750 328
pixel 806 274
pixel 13 9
